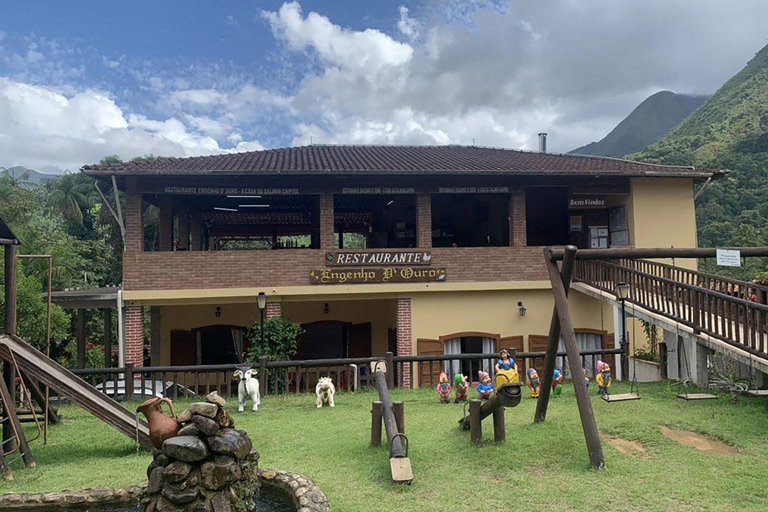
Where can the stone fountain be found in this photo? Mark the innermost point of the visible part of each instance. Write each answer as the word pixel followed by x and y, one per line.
pixel 208 467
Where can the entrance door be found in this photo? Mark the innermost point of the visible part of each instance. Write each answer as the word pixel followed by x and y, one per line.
pixel 183 348
pixel 326 339
pixel 359 344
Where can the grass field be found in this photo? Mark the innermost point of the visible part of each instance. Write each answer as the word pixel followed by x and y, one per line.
pixel 539 467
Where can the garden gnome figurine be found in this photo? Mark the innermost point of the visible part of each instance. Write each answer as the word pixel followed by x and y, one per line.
pixel 557 382
pixel 460 381
pixel 533 382
pixel 603 379
pixel 484 387
pixel 443 388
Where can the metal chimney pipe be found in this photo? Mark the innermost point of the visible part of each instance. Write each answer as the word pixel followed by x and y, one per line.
pixel 542 142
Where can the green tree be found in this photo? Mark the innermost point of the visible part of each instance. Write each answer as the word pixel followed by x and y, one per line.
pixel 281 338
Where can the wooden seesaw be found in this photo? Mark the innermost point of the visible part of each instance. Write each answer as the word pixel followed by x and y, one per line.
pixel 507 395
pixel 399 463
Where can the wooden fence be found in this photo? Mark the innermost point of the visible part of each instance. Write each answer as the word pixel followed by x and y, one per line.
pixel 279 377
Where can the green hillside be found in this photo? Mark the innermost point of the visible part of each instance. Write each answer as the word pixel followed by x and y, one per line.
pixel 647 123
pixel 728 131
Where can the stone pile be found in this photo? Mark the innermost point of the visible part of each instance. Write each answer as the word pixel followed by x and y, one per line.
pixel 208 467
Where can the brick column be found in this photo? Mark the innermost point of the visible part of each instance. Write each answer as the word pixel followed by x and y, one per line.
pixel 183 222
pixel 196 232
pixel 517 235
pixel 166 224
pixel 273 310
pixel 134 335
pixel 424 221
pixel 404 340
pixel 134 223
pixel 326 222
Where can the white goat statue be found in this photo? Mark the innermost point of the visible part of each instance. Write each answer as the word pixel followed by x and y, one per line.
pixel 324 391
pixel 247 387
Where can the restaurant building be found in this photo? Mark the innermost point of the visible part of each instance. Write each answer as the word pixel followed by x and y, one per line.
pixel 409 249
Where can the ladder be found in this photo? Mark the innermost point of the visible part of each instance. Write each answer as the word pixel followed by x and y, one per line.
pixel 14 446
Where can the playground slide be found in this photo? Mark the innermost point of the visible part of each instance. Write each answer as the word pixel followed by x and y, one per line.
pixel 43 369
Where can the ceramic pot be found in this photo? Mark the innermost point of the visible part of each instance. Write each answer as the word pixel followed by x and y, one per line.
pixel 161 426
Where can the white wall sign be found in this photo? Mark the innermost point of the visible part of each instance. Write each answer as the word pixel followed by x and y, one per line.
pixel 728 258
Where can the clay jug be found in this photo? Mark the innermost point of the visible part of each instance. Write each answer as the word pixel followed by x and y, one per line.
pixel 161 426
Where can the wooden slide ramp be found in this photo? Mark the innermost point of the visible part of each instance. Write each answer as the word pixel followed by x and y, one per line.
pixel 43 369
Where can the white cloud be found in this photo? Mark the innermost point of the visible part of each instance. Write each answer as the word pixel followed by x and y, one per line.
pixel 45 129
pixel 408 26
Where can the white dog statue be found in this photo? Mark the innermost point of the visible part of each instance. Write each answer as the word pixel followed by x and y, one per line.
pixel 247 387
pixel 324 391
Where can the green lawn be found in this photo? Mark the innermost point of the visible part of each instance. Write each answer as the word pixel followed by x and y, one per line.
pixel 540 467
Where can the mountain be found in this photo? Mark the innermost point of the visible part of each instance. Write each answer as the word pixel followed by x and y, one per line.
pixel 33 177
pixel 728 131
pixel 653 118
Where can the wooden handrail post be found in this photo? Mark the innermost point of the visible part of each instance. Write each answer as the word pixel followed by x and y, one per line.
pixel 263 375
pixel 129 381
pixel 390 370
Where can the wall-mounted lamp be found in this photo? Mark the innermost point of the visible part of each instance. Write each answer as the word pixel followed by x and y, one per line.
pixel 218 311
pixel 326 308
pixel 521 309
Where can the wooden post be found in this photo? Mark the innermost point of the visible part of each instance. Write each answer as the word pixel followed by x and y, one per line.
pixel 376 418
pixel 390 370
pixel 263 376
pixel 390 425
pixel 475 424
pixel 21 441
pixel 129 381
pixel 554 338
pixel 499 429
pixel 80 338
pixel 107 312
pixel 399 409
pixel 591 434
pixel 9 327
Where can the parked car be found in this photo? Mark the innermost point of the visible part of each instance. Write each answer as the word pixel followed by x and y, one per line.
pixel 156 388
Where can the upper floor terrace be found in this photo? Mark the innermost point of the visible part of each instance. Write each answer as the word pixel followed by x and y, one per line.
pixel 271 218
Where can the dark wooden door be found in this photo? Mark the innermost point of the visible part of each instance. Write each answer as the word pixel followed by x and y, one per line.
pixel 538 343
pixel 359 340
pixel 183 348
pixel 429 373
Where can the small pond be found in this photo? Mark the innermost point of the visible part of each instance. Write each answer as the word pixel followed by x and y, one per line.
pixel 271 499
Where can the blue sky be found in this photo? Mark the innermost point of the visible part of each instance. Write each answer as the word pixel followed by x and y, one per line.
pixel 83 79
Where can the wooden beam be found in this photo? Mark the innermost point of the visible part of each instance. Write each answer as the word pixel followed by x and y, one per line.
pixel 9 406
pixel 9 327
pixel 154 335
pixel 376 417
pixel 586 414
pixel 80 338
pixel 554 337
pixel 610 254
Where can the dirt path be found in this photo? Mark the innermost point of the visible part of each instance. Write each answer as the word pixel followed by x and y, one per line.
pixel 698 441
pixel 625 446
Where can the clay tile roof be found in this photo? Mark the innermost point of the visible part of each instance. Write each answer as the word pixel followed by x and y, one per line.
pixel 354 160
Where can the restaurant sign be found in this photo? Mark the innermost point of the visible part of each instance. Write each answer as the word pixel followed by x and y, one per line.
pixel 360 258
pixel 376 275
pixel 586 202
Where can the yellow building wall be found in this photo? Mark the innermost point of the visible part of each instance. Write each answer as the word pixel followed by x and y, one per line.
pixel 661 214
pixel 435 315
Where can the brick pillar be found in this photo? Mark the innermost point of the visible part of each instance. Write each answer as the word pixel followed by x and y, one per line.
pixel 326 222
pixel 404 341
pixel 134 223
pixel 166 224
pixel 196 232
pixel 424 221
pixel 183 220
pixel 134 335
pixel 517 235
pixel 273 310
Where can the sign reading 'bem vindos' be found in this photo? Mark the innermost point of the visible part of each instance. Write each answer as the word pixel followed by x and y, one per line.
pixel 376 275
pixel 361 258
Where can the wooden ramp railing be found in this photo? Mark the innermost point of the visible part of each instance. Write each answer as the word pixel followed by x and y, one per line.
pixel 45 370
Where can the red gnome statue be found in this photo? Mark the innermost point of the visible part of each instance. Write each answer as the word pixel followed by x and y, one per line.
pixel 443 388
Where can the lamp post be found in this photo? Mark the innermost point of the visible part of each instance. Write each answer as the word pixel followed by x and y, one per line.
pixel 622 294
pixel 261 300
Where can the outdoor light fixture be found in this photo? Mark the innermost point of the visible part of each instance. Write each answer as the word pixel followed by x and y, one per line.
pixel 622 291
pixel 326 308
pixel 521 309
pixel 218 311
pixel 261 300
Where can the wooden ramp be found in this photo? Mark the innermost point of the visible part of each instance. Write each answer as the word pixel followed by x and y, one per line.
pixel 623 397
pixel 49 372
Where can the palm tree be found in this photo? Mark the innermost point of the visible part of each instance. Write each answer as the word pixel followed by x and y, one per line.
pixel 70 195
